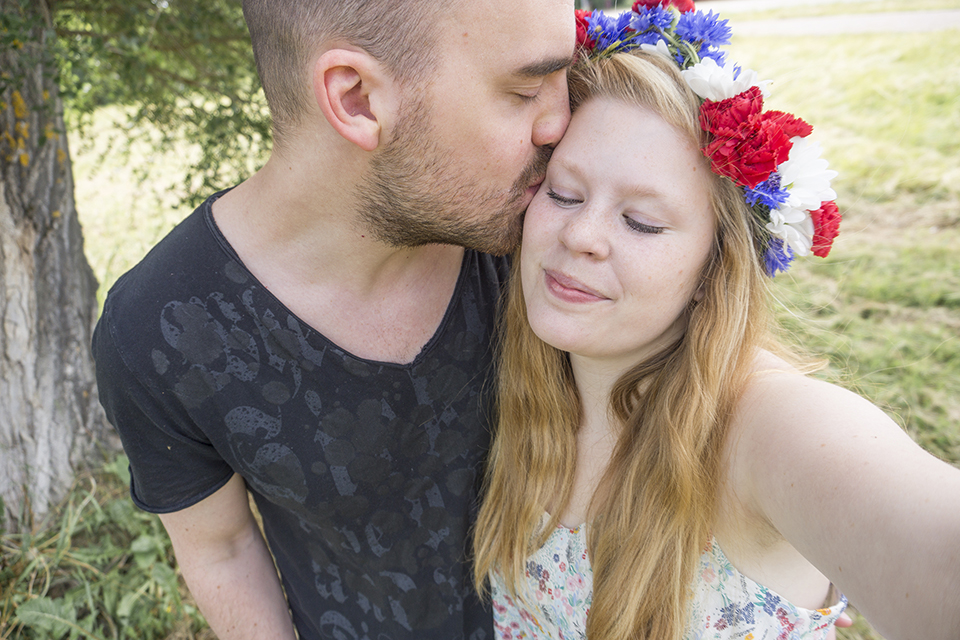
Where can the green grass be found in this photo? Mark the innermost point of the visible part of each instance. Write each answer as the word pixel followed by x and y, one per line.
pixel 100 569
pixel 882 106
pixel 884 308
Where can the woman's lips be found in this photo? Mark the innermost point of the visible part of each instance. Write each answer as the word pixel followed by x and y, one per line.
pixel 570 290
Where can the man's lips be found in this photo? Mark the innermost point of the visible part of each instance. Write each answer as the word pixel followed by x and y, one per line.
pixel 569 289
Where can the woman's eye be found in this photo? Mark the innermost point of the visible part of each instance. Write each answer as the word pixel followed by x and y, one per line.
pixel 641 227
pixel 563 201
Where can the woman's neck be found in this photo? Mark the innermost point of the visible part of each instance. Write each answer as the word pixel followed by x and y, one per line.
pixel 596 439
pixel 594 381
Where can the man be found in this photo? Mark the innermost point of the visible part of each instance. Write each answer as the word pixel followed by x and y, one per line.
pixel 320 336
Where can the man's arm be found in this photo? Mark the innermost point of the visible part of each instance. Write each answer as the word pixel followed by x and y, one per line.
pixel 226 564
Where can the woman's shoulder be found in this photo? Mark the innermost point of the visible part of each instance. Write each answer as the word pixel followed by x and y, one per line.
pixel 792 434
pixel 789 428
pixel 777 394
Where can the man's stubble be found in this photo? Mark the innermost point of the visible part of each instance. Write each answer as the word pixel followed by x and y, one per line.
pixel 414 194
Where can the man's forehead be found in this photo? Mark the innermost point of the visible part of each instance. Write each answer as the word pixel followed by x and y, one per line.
pixel 522 38
pixel 517 22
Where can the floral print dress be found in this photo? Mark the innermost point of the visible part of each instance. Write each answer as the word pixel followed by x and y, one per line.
pixel 725 604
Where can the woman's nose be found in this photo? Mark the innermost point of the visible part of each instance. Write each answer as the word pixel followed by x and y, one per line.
pixel 585 232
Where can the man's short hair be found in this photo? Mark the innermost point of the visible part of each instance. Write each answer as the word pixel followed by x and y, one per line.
pixel 286 34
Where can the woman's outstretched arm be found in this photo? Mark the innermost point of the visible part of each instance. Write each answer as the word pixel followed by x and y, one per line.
pixel 858 498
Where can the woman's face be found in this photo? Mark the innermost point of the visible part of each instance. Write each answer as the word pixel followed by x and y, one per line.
pixel 615 239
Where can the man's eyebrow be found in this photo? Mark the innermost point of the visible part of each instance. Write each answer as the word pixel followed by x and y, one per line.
pixel 544 67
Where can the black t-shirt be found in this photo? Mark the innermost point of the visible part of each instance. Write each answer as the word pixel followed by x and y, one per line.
pixel 365 472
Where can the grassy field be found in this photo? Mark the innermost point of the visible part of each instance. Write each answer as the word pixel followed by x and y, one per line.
pixel 884 307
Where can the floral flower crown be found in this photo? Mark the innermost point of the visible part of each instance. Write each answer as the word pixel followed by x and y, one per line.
pixel 766 153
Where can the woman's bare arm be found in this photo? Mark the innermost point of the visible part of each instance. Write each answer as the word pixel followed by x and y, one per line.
pixel 858 498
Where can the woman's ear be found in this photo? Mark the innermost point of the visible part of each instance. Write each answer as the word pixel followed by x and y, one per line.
pixel 343 83
pixel 700 292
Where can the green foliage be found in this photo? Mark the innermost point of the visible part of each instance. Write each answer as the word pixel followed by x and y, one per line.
pixel 185 68
pixel 102 569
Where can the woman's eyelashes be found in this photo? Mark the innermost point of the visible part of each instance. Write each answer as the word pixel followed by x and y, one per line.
pixel 636 225
pixel 563 201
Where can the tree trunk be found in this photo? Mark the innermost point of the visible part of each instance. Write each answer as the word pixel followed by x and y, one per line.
pixel 50 420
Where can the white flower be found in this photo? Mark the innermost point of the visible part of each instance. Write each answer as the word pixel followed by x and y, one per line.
pixel 805 176
pixel 793 226
pixel 660 47
pixel 710 81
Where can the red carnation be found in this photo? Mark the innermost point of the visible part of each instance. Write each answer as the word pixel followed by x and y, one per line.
pixel 682 5
pixel 723 118
pixel 583 40
pixel 791 125
pixel 747 145
pixel 826 227
pixel 747 160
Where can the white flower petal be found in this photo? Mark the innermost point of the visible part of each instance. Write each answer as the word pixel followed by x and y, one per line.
pixel 661 48
pixel 805 176
pixel 793 226
pixel 710 81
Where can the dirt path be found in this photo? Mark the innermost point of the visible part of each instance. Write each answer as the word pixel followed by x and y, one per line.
pixel 891 21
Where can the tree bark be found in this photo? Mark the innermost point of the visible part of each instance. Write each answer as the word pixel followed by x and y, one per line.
pixel 50 420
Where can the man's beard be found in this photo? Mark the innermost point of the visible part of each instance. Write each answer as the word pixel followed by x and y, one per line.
pixel 414 196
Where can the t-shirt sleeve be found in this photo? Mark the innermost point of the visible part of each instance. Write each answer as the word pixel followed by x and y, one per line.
pixel 172 463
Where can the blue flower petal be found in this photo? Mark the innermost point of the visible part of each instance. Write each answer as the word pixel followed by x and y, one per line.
pixel 720 57
pixel 705 29
pixel 769 193
pixel 777 257
pixel 654 18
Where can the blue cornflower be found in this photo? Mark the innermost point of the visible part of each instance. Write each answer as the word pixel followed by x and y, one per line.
pixel 607 31
pixel 777 258
pixel 650 37
pixel 623 21
pixel 653 18
pixel 769 193
pixel 720 57
pixel 705 29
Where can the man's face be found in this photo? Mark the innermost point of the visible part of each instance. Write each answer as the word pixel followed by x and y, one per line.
pixel 470 148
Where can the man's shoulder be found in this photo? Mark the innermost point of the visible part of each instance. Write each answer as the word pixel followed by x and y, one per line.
pixel 187 257
pixel 190 262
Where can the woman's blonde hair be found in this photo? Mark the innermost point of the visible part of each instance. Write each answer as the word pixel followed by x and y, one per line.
pixel 653 511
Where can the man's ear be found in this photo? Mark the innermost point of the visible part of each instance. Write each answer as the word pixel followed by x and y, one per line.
pixel 344 82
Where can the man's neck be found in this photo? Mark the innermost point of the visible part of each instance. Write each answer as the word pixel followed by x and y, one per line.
pixel 296 230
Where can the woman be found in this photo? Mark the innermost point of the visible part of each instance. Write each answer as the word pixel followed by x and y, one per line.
pixel 661 461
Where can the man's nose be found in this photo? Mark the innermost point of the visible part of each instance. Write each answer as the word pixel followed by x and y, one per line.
pixel 555 116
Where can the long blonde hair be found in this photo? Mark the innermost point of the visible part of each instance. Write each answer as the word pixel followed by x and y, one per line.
pixel 655 506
